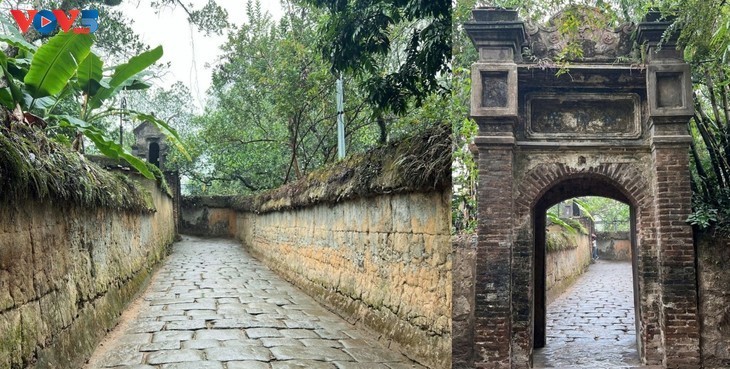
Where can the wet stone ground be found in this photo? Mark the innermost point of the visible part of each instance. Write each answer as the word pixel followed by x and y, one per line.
pixel 591 325
pixel 212 306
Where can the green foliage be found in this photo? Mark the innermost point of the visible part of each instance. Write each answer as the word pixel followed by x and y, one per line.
pixel 55 74
pixel 272 115
pixel 464 173
pixel 540 10
pixel 703 216
pixel 115 37
pixel 414 36
pixel 123 76
pixel 705 36
pixel 55 62
pixel 559 241
pixel 210 18
pixel 566 237
pixel 609 215
pixel 420 162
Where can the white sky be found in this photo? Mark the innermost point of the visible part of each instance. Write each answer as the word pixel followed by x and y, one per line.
pixel 190 52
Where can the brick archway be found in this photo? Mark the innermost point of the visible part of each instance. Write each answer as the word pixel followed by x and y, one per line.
pixel 606 129
pixel 550 184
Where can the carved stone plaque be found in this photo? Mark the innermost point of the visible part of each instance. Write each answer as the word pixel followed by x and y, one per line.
pixel 583 116
pixel 494 89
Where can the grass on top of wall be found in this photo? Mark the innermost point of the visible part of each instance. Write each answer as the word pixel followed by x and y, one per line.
pixel 34 167
pixel 418 163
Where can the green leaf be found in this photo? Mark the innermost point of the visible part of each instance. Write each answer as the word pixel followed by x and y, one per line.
pixel 15 91
pixel 90 74
pixel 18 68
pixel 555 219
pixel 124 72
pixel 55 63
pixel 42 103
pixel 106 146
pixel 14 37
pixel 168 131
pixel 135 83
pixel 6 98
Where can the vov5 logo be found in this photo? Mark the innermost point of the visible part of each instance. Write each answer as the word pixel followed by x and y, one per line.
pixel 46 21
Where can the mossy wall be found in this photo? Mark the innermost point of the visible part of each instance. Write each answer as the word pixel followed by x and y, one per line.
pixel 383 263
pixel 713 258
pixel 565 265
pixel 67 273
pixel 369 237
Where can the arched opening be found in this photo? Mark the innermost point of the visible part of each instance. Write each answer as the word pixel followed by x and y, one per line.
pixel 564 190
pixel 154 154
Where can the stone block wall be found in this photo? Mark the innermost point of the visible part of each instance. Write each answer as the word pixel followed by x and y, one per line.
pixel 382 262
pixel 713 256
pixel 208 216
pixel 614 245
pixel 67 272
pixel 563 267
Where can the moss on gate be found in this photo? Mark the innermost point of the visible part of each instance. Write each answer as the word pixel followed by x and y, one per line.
pixel 34 167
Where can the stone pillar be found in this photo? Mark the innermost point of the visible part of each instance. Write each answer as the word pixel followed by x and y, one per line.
pixel 669 94
pixel 498 35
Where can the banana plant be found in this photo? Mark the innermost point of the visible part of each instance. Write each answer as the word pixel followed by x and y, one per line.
pixel 65 66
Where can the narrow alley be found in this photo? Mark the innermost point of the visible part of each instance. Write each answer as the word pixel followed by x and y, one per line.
pixel 591 325
pixel 212 306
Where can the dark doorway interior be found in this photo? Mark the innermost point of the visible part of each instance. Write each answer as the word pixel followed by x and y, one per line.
pixel 154 154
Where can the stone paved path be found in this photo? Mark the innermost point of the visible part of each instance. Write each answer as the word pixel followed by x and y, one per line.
pixel 212 306
pixel 591 325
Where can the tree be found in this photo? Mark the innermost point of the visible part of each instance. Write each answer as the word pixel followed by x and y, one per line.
pixel 272 117
pixel 358 36
pixel 609 214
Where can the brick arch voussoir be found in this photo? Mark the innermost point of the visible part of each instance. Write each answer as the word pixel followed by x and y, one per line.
pixel 629 179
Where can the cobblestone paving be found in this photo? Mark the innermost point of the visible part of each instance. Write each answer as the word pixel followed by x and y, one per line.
pixel 212 306
pixel 591 325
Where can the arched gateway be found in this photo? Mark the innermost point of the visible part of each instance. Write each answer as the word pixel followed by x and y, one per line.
pixel 604 128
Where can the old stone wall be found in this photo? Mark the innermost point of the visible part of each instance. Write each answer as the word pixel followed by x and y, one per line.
pixel 209 216
pixel 382 262
pixel 713 255
pixel 563 267
pixel 614 245
pixel 367 236
pixel 67 271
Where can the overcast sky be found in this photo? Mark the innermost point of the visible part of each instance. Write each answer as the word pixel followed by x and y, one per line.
pixel 190 52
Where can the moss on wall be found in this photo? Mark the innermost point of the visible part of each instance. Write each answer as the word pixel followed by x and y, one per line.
pixel 34 167
pixel 713 258
pixel 67 273
pixel 416 164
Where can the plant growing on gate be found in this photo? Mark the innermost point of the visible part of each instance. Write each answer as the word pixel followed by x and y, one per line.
pixel 39 78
